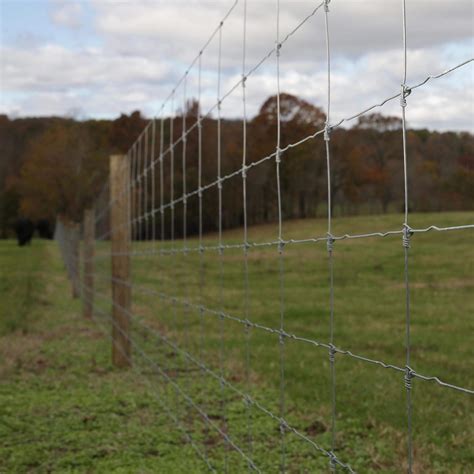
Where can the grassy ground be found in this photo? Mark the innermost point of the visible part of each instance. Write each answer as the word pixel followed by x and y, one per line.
pixel 63 408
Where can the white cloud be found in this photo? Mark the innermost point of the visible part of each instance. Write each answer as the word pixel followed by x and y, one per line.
pixel 357 26
pixel 146 45
pixel 56 68
pixel 67 13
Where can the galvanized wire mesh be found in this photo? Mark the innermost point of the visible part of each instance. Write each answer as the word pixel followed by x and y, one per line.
pixel 180 277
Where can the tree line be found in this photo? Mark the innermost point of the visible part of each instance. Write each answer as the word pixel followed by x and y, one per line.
pixel 57 166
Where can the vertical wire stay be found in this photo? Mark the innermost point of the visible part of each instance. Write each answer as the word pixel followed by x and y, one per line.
pixel 330 244
pixel 184 265
pixel 172 210
pixel 161 268
pixel 246 244
pixel 132 201
pixel 221 247
pixel 135 192
pixel 280 250
pixel 145 173
pixel 406 246
pixel 140 194
pixel 183 141
pixel 143 178
pixel 201 248
pixel 174 312
pixel 153 187
pixel 129 192
pixel 162 184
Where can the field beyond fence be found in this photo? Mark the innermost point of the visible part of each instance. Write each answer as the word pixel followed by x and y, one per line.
pixel 201 369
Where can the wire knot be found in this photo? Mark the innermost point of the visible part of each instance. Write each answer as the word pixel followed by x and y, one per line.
pixel 200 192
pixel 219 183
pixel 183 137
pixel 326 5
pixel 406 91
pixel 281 245
pixel 219 103
pixel 407 233
pixel 185 199
pixel 327 132
pixel 244 172
pixel 283 426
pixel 278 47
pixel 409 375
pixel 330 243
pixel 332 353
pixel 278 156
pixel 201 249
pixel 222 316
pixel 244 80
pixel 332 460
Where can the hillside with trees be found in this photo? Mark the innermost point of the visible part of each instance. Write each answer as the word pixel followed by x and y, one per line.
pixel 52 166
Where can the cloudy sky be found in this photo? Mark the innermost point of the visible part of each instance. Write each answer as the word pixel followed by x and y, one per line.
pixel 98 58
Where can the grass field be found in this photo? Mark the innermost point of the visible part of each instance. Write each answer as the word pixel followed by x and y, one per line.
pixel 63 408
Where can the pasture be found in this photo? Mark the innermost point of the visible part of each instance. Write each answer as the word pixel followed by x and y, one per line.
pixel 64 408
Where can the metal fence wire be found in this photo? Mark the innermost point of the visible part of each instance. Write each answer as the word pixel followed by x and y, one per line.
pixel 194 298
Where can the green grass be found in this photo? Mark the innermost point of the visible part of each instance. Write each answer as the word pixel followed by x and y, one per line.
pixel 20 286
pixel 65 409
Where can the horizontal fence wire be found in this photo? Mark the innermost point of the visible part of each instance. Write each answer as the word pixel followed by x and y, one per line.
pixel 158 164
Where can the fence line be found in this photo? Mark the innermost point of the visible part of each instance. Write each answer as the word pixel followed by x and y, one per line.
pixel 149 214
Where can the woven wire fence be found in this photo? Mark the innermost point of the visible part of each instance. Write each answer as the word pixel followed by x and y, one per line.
pixel 197 330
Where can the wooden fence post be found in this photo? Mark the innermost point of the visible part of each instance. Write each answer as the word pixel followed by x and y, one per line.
pixel 88 256
pixel 75 278
pixel 120 248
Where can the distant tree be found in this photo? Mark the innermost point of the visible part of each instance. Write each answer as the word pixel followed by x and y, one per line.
pixel 302 167
pixel 56 165
pixel 380 138
pixel 378 122
pixel 125 130
pixel 62 173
